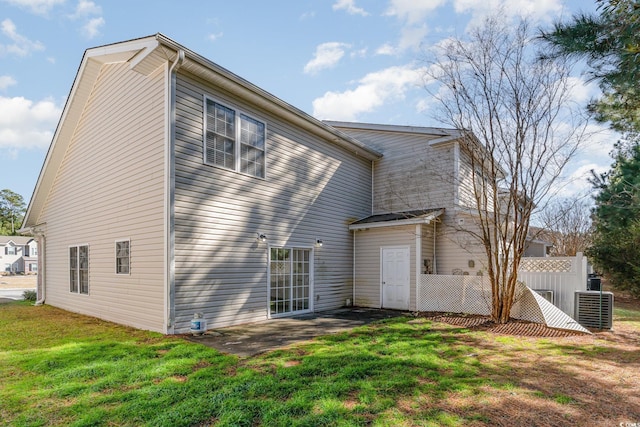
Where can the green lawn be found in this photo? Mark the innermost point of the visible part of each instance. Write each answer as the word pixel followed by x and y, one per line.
pixel 62 369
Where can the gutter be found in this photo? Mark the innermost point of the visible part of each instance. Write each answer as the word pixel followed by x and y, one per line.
pixel 170 262
pixel 246 90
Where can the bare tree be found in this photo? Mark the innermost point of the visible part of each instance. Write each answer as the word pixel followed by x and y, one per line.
pixel 521 130
pixel 566 224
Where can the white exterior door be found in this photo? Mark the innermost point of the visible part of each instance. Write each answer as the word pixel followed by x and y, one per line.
pixel 395 278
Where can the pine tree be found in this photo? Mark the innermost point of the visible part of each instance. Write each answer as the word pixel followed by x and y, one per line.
pixel 610 44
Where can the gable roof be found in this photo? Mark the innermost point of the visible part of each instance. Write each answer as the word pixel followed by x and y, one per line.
pixel 442 135
pixel 145 55
pixel 16 240
pixel 392 219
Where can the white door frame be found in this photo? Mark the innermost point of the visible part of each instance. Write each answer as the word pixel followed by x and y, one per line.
pixel 311 308
pixel 408 275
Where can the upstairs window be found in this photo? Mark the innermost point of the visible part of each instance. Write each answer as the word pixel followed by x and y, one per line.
pixel 233 140
pixel 10 250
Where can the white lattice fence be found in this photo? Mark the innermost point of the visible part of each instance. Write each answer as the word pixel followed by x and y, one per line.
pixel 563 276
pixel 470 295
pixel 454 294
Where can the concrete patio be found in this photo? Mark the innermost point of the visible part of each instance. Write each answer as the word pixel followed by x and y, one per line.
pixel 255 338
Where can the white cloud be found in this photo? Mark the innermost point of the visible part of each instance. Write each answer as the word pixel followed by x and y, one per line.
pixel 92 28
pixel 39 7
pixel 21 45
pixel 308 15
pixel 412 14
pixel 6 81
pixel 577 183
pixel 412 11
pixel 582 91
pixel 540 10
pixel 27 124
pixel 594 155
pixel 386 49
pixel 599 142
pixel 91 14
pixel 410 39
pixel 86 9
pixel 373 91
pixel 360 53
pixel 327 55
pixel 214 37
pixel 350 7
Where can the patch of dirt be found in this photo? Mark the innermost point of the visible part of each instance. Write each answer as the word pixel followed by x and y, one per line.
pixel 514 327
pixel 574 379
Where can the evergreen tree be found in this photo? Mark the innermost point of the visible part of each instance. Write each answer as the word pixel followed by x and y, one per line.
pixel 610 44
pixel 12 209
pixel 615 249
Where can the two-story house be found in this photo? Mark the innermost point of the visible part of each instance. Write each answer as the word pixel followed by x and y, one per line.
pixel 173 187
pixel 18 254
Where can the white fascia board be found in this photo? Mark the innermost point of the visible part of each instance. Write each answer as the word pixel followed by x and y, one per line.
pixel 254 94
pixel 395 128
pixel 409 221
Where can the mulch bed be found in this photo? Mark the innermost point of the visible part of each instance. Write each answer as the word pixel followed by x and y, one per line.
pixel 484 323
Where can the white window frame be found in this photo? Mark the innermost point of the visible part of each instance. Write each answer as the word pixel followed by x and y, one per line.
pixel 115 249
pixel 310 308
pixel 78 274
pixel 237 138
pixel 12 250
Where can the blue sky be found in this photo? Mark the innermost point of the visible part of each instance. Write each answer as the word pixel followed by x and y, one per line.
pixel 351 60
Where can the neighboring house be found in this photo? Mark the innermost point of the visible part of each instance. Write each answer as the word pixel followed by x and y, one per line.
pixel 174 187
pixel 18 254
pixel 538 244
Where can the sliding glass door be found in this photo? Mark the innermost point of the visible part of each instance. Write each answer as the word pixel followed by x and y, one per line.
pixel 289 280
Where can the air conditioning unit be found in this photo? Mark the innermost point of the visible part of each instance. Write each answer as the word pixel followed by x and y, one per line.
pixel 545 293
pixel 594 309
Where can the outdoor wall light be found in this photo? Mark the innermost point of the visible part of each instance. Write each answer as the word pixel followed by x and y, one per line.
pixel 262 237
pixel 319 243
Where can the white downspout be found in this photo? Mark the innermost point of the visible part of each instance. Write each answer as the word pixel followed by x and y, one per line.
pixel 40 284
pixel 353 297
pixel 435 270
pixel 169 194
pixel 373 183
pixel 418 265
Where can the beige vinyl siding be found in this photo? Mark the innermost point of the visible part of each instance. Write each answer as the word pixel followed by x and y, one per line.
pixel 411 174
pixel 110 186
pixel 313 189
pixel 429 244
pixel 416 175
pixel 367 264
pixel 456 246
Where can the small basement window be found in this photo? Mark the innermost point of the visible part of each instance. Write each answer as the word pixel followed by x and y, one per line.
pixel 123 257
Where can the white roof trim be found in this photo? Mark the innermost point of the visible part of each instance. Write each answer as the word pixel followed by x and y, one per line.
pixel 426 219
pixel 448 133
